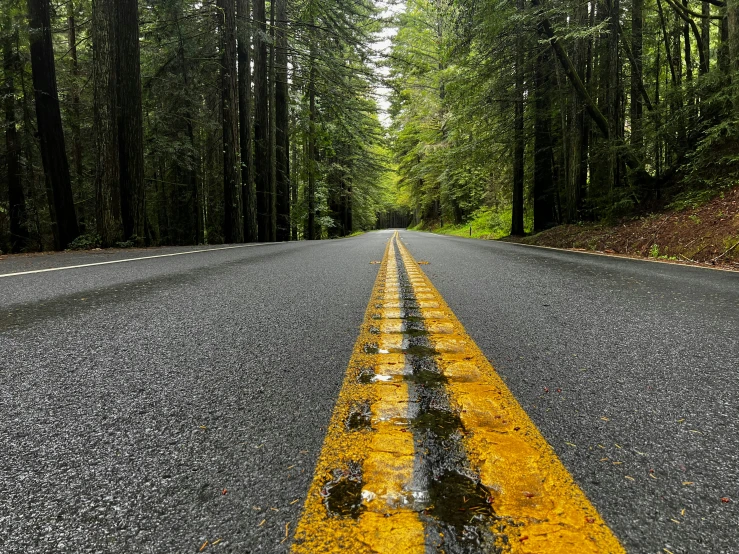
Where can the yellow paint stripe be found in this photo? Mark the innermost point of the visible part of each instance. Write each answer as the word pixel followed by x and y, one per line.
pixel 386 454
pixel 541 507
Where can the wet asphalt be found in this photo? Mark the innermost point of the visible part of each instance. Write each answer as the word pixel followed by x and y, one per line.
pixel 154 405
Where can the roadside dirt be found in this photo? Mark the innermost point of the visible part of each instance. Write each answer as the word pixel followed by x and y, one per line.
pixel 706 235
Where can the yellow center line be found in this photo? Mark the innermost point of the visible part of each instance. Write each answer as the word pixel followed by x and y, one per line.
pixel 533 494
pixel 386 523
pixel 369 489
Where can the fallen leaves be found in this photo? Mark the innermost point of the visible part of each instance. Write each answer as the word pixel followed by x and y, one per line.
pixel 725 499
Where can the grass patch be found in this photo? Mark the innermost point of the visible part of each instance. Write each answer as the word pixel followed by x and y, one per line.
pixel 485 223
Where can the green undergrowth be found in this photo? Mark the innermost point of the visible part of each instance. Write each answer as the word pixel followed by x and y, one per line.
pixel 485 223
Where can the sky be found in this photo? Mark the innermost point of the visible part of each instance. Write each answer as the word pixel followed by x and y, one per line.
pixel 382 46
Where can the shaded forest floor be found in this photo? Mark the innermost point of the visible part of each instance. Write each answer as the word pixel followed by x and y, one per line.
pixel 696 232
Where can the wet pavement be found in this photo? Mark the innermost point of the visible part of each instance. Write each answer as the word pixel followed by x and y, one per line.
pixel 171 403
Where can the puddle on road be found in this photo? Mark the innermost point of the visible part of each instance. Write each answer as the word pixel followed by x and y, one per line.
pixel 342 495
pixel 360 417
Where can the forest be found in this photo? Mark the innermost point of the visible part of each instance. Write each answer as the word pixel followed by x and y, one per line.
pixel 176 122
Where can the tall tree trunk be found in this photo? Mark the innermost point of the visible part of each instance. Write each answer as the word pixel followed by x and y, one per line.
pixel 517 220
pixel 130 120
pixel 723 48
pixel 688 53
pixel 637 105
pixel 75 123
pixel 50 131
pixel 193 203
pixel 233 228
pixel 281 124
pixel 706 32
pixel 294 181
pixel 543 170
pixel 261 122
pixel 107 167
pixel 249 199
pixel 614 91
pixel 732 16
pixel 16 197
pixel 312 161
pixel 272 129
pixel 576 176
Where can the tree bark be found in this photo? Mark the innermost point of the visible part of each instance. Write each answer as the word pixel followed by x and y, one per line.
pixel 16 197
pixel 517 220
pixel 732 16
pixel 105 81
pixel 543 170
pixel 706 33
pixel 50 131
pixel 272 128
pixel 233 228
pixel 75 123
pixel 261 123
pixel 637 107
pixel 249 199
pixel 281 123
pixel 312 161
pixel 130 120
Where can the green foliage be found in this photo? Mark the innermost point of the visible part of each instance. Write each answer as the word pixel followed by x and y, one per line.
pixel 86 242
pixel 485 223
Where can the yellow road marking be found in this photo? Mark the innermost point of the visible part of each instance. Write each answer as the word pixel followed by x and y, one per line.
pixel 386 525
pixel 532 490
pixel 536 504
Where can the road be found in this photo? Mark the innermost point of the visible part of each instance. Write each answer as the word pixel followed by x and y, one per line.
pixel 159 404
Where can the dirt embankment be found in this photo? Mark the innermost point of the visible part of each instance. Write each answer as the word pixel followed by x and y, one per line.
pixel 705 235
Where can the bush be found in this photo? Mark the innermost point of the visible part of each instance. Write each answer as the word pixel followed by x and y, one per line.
pixel 86 242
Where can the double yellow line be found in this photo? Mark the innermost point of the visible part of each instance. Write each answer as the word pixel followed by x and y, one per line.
pixel 378 486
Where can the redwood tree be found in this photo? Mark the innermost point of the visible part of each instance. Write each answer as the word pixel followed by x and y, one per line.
pixel 49 121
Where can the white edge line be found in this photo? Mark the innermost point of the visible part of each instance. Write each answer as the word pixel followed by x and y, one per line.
pixel 604 254
pixel 133 259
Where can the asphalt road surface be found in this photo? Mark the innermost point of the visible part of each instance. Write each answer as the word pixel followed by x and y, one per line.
pixel 153 405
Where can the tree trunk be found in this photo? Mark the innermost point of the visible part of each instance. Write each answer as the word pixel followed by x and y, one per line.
pixel 233 227
pixel 261 123
pixel 130 120
pixel 637 106
pixel 294 182
pixel 272 129
pixel 312 162
pixel 517 221
pixel 281 124
pixel 706 32
pixel 192 204
pixel 16 198
pixel 75 123
pixel 543 170
pixel 613 90
pixel 732 16
pixel 107 167
pixel 249 199
pixel 50 131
